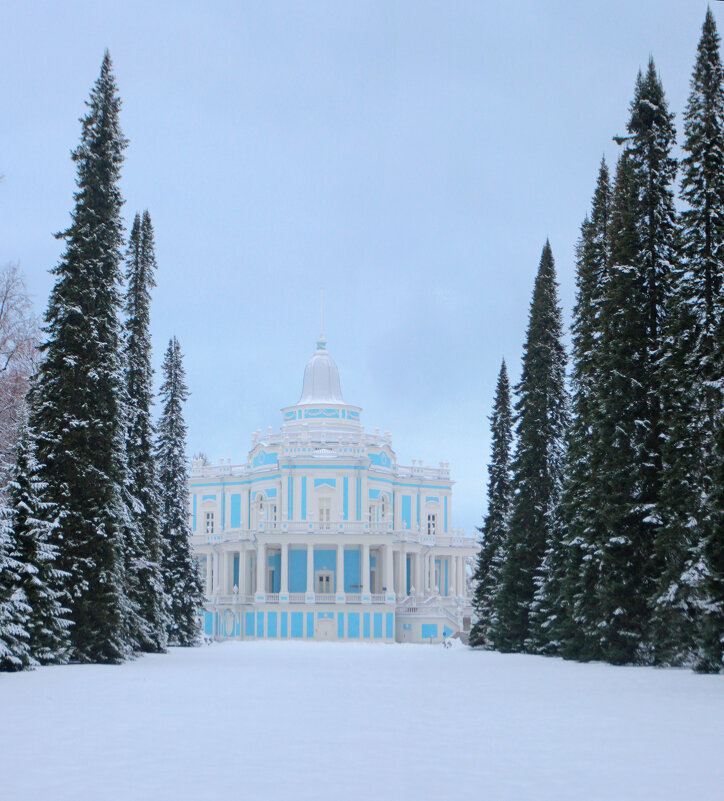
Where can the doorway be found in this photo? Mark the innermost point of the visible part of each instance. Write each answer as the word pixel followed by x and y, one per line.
pixel 323 582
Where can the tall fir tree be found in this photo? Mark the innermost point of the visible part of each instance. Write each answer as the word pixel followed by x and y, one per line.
pixel 14 609
pixel 42 583
pixel 495 525
pixel 144 552
pixel 619 563
pixel 541 413
pixel 77 414
pixel 180 569
pixel 691 590
pixel 581 494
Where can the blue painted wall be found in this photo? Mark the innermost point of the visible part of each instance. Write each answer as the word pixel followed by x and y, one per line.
pixel 340 625
pixel 272 624
pixel 353 625
pixel 304 497
pixel 298 570
pixel 290 498
pixel 326 560
pixel 236 571
pixel 284 616
pixel 406 511
pixel 275 562
pixel 297 624
pixel 352 574
pixel 377 621
pixel 208 623
pixel 235 518
pixel 310 625
pixel 389 625
pixel 259 624
pixel 366 625
pixel 429 630
pixel 249 625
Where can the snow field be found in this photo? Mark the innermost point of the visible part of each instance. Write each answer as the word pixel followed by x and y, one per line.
pixel 298 720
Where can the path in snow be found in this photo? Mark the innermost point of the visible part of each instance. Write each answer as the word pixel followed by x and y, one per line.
pixel 295 720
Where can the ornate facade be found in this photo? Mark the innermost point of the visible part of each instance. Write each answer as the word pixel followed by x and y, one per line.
pixel 322 535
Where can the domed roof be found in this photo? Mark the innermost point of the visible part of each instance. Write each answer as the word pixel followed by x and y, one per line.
pixel 321 378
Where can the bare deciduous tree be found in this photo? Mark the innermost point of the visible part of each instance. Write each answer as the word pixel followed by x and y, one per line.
pixel 19 337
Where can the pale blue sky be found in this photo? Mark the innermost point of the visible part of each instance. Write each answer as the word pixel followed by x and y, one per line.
pixel 411 157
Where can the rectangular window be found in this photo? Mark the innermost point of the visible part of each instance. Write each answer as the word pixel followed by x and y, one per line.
pixel 431 525
pixel 325 505
pixel 209 522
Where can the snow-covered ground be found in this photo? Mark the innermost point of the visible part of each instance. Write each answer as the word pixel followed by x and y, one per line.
pixel 291 720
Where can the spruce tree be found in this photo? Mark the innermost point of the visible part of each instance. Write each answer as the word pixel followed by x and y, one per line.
pixel 537 466
pixel 77 413
pixel 619 561
pixel 144 553
pixel 495 525
pixel 581 495
pixel 691 590
pixel 14 609
pixel 180 568
pixel 42 583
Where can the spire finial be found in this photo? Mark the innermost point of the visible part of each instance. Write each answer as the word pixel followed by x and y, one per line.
pixel 321 313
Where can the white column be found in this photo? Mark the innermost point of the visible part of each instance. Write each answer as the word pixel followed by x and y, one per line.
pixel 453 576
pixel 402 569
pixel 389 573
pixel 242 572
pixel 419 575
pixel 260 570
pixel 461 577
pixel 340 573
pixel 431 565
pixel 209 558
pixel 365 570
pixel 284 585
pixel 310 573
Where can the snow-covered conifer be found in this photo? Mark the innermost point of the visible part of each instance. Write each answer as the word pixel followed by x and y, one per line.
pixel 541 414
pixel 144 552
pixel 41 582
pixel 14 609
pixel 180 569
pixel 77 408
pixel 495 525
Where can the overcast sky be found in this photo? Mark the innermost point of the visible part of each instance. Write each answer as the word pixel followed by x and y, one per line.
pixel 409 157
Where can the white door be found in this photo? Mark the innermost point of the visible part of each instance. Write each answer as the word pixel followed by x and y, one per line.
pixel 324 582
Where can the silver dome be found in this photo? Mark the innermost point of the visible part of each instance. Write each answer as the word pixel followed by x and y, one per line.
pixel 321 378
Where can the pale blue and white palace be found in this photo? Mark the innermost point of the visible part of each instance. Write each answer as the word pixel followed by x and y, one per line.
pixel 322 535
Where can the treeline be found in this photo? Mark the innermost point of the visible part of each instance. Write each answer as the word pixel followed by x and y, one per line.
pixel 604 535
pixel 95 557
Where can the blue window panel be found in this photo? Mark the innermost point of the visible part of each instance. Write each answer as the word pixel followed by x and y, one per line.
pixel 445 518
pixel 325 615
pixel 304 497
pixel 366 625
pixel 407 626
pixel 290 498
pixel 310 624
pixel 359 499
pixel 340 625
pixel 194 515
pixel 297 624
pixel 406 511
pixel 389 625
pixel 235 581
pixel 259 624
pixel 271 624
pixel 235 516
pixel 429 631
pixel 275 563
pixel 353 625
pixel 345 498
pixel 249 624
pixel 298 570
pixel 283 626
pixel 351 571
pixel 377 621
pixel 208 623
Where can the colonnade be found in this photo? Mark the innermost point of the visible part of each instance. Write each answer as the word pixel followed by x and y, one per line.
pixel 391 579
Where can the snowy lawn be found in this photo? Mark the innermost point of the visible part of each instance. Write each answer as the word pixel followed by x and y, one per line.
pixel 297 720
